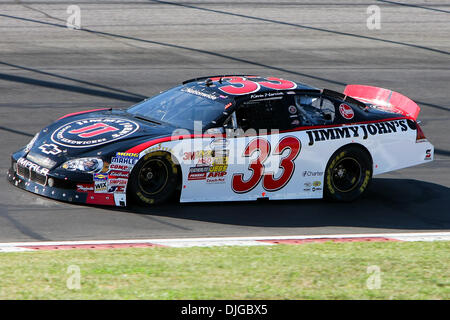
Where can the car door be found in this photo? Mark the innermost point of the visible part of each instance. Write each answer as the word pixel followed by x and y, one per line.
pixel 264 154
pixel 265 161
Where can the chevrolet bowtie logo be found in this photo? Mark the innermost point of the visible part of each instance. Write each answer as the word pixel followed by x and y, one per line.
pixel 50 149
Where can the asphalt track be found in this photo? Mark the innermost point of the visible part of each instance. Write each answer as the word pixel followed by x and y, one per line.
pixel 130 50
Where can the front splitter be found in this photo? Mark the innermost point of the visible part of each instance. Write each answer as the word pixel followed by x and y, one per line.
pixel 66 195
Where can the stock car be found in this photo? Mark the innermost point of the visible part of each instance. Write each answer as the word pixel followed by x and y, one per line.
pixel 226 138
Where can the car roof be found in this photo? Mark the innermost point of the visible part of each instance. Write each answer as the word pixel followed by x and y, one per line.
pixel 212 84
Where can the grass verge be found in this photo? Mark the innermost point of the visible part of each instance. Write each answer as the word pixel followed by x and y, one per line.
pixel 408 270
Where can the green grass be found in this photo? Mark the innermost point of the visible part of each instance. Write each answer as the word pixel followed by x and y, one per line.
pixel 409 270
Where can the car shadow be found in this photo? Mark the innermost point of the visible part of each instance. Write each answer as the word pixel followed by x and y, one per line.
pixel 388 203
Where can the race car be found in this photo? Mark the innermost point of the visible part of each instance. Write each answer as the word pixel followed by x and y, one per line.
pixel 226 138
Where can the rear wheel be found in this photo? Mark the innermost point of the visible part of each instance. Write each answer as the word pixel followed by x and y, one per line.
pixel 348 174
pixel 154 179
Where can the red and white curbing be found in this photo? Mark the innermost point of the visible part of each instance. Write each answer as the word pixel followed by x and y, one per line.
pixel 224 241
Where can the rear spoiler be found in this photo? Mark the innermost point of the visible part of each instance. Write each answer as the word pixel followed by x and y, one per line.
pixel 385 99
pixel 339 95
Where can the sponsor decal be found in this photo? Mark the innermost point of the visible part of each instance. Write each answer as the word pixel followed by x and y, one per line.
pixel 212 165
pixel 208 157
pixel 118 174
pixel 217 173
pixel 116 189
pixel 202 154
pixel 93 132
pixel 120 158
pixel 158 147
pixel 128 155
pixel 346 111
pixel 117 185
pixel 122 163
pixel 218 168
pixel 312 186
pixel 85 187
pixel 122 167
pixel 108 183
pixel 199 93
pixel 312 173
pixel 198 173
pixel 123 160
pixel 32 166
pixel 101 186
pixel 292 110
pixel 216 177
pixel 117 182
pixel 100 183
pixel 428 154
pixel 363 130
pixel 100 177
pixel 50 149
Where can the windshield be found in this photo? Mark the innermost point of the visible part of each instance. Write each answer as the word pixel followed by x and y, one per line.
pixel 180 107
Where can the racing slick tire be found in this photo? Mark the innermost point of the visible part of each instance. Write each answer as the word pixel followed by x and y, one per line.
pixel 154 179
pixel 348 174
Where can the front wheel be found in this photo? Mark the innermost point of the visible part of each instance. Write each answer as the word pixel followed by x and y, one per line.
pixel 154 179
pixel 348 174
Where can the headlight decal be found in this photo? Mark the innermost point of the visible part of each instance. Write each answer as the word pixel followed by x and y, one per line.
pixel 31 143
pixel 84 165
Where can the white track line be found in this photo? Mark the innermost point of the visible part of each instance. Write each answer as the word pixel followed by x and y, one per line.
pixel 225 241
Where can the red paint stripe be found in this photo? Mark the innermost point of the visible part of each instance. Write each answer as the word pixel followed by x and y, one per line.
pixel 141 147
pixel 93 246
pixel 321 240
pixel 81 112
pixel 100 198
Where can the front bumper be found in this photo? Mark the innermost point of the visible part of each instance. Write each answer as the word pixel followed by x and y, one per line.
pixel 63 189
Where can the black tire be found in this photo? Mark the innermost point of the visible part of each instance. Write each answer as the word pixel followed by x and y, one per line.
pixel 348 174
pixel 154 179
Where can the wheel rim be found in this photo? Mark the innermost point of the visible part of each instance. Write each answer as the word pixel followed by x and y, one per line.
pixel 153 176
pixel 346 174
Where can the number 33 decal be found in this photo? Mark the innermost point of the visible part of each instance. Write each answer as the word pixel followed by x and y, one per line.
pixel 241 85
pixel 269 182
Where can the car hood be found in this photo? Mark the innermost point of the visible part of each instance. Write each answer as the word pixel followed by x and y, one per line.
pixel 98 133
